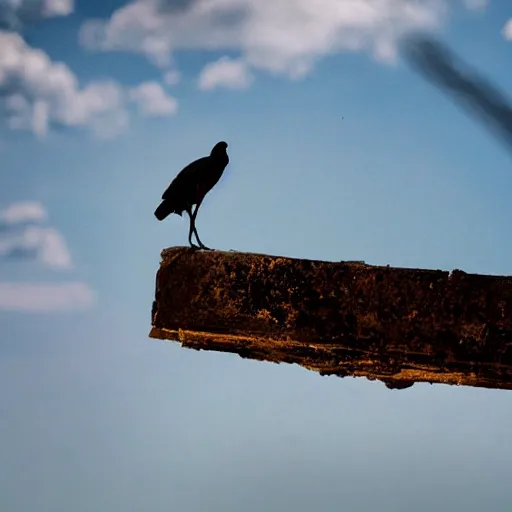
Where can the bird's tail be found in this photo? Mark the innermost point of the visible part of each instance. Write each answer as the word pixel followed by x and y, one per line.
pixel 164 209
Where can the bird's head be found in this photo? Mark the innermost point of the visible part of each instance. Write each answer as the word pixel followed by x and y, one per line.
pixel 219 148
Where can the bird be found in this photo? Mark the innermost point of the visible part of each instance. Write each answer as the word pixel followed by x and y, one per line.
pixel 191 185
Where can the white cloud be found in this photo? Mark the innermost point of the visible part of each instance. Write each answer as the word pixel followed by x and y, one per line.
pixel 39 91
pixel 172 77
pixel 47 245
pixel 152 100
pixel 42 91
pixel 23 211
pixel 43 243
pixel 225 72
pixel 45 297
pixel 507 30
pixel 33 241
pixel 52 246
pixel 476 5
pixel 57 7
pixel 40 117
pixel 14 13
pixel 285 36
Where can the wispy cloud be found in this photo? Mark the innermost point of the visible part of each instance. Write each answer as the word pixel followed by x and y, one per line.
pixel 507 30
pixel 38 92
pixel 476 5
pixel 23 211
pixel 282 37
pixel 225 72
pixel 16 13
pixel 152 100
pixel 45 297
pixel 172 77
pixel 23 238
pixel 44 244
pixel 20 239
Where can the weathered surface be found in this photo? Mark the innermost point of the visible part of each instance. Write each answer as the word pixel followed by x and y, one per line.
pixel 397 325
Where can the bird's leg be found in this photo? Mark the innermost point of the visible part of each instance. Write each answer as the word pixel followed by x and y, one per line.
pixel 193 220
pixel 191 229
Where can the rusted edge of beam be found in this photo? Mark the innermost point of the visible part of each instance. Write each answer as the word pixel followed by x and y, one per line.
pixel 399 326
pixel 293 353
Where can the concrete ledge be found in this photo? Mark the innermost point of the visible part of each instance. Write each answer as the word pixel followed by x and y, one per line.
pixel 348 319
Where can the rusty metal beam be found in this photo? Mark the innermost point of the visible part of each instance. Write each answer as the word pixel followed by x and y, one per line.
pixel 347 318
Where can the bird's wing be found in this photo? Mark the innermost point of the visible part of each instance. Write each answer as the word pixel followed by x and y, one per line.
pixel 187 174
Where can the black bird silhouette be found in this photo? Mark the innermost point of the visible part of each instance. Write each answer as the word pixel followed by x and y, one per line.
pixel 191 185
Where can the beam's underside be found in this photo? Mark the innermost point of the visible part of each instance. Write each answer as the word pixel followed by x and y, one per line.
pixel 348 319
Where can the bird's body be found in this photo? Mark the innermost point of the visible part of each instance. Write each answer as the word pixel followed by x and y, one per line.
pixel 191 185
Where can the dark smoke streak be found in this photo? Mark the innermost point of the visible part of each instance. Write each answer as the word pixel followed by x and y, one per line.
pixel 472 91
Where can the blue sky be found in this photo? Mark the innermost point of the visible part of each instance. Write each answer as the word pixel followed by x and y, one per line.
pixel 101 104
